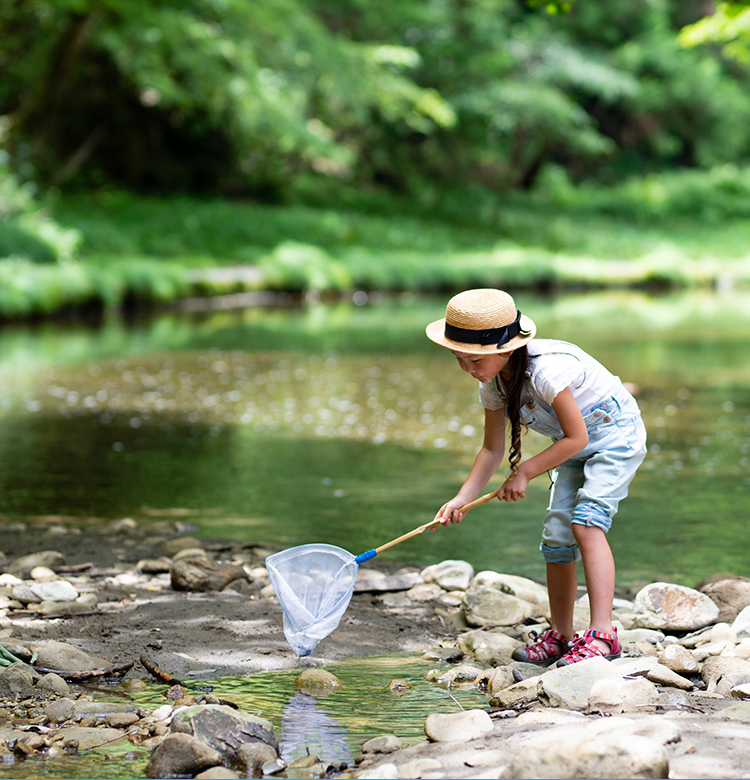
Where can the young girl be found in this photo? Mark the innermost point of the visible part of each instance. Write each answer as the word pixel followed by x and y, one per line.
pixel 598 442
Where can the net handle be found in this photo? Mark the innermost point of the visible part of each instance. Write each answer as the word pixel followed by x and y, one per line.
pixel 433 523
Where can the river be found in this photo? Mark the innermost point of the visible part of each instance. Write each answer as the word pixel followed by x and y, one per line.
pixel 344 424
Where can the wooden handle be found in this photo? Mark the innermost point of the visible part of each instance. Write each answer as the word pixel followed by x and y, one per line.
pixel 433 523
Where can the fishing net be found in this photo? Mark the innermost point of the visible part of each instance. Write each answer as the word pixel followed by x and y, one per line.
pixel 314 584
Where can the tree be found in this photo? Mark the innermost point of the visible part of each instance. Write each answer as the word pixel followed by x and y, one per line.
pixel 193 93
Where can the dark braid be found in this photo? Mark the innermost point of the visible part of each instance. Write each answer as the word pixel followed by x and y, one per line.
pixel 513 399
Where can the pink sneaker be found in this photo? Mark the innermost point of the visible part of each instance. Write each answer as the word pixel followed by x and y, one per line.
pixel 546 649
pixel 582 647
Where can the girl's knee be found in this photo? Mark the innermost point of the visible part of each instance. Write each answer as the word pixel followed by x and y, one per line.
pixel 587 533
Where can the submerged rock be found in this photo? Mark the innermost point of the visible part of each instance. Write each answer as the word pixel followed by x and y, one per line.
pixel 385 743
pixel 316 680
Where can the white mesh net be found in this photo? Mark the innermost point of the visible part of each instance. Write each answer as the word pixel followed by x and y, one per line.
pixel 314 584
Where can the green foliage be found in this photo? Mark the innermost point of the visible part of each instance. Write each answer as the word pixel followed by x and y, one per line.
pixel 284 99
pixel 653 231
pixel 293 266
pixel 25 230
pixel 241 88
pixel 28 289
pixel 729 26
pixel 712 196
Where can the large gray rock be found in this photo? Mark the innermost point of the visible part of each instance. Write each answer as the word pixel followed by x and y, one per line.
pixel 251 757
pixel 64 657
pixel 717 667
pixel 373 581
pixel 180 755
pixel 513 585
pixel 615 747
pixel 518 694
pixel 172 546
pixel 486 606
pixel 489 647
pixel 457 726
pixel 16 682
pixel 101 709
pixel 450 575
pixel 731 596
pixel 670 607
pixel 58 590
pixel 53 683
pixel 224 729
pixel 200 574
pixel 618 696
pixel 569 686
pixel 60 711
pixel 21 567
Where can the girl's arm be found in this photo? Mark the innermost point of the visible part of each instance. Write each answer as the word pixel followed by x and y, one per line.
pixel 485 465
pixel 575 438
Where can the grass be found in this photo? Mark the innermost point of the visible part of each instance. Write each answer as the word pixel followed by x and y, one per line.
pixel 655 235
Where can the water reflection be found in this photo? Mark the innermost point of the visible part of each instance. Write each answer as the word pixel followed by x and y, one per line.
pixel 343 425
pixel 307 730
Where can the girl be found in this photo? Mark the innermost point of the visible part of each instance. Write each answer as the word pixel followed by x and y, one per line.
pixel 598 442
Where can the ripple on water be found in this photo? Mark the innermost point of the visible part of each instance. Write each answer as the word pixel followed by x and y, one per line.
pixel 334 725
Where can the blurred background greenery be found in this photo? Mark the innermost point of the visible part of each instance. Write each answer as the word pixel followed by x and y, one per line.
pixel 338 145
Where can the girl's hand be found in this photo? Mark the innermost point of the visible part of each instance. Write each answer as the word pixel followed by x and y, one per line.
pixel 514 487
pixel 448 512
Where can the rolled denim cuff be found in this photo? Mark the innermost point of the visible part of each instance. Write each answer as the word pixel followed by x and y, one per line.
pixel 560 554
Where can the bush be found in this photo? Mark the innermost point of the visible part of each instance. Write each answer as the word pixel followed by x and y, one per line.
pixel 26 232
pixel 713 195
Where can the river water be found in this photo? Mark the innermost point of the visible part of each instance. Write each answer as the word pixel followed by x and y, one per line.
pixel 344 424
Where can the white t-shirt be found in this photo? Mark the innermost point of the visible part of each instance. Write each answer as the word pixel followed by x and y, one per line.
pixel 553 366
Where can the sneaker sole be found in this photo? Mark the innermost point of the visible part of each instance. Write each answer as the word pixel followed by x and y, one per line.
pixel 548 662
pixel 611 657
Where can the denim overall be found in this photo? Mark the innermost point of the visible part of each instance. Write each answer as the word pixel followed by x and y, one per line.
pixel 588 487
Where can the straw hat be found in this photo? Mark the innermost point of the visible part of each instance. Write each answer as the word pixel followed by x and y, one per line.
pixel 482 322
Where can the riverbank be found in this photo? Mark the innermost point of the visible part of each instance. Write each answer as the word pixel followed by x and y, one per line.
pixel 133 615
pixel 124 253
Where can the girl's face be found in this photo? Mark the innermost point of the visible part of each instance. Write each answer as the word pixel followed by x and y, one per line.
pixel 483 367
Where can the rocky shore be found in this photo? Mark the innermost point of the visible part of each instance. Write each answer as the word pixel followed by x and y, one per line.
pixel 145 603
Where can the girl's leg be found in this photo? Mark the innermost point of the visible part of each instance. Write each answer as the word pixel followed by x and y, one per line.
pixel 599 570
pixel 562 586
